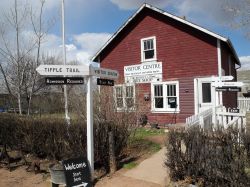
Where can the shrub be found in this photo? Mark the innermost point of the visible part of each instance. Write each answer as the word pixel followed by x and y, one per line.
pixel 52 138
pixel 218 158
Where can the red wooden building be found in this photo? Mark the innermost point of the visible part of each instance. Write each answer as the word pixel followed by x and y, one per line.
pixel 167 64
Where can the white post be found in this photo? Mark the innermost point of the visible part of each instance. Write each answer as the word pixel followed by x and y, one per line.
pixel 90 138
pixel 213 92
pixel 67 118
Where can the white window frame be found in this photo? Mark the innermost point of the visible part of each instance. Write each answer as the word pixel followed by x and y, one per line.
pixel 123 86
pixel 165 109
pixel 142 49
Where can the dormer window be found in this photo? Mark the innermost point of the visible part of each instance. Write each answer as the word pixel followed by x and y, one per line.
pixel 148 49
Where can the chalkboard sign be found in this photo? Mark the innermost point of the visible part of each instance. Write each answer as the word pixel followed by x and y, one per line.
pixel 77 172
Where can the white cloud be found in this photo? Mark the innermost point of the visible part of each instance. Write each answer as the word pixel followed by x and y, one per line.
pixel 245 63
pixel 81 48
pixel 134 4
pixel 91 42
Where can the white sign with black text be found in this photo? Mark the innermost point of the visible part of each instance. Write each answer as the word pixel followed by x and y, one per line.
pixel 144 79
pixel 149 68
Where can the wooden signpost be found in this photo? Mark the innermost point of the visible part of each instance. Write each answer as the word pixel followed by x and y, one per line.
pixel 88 72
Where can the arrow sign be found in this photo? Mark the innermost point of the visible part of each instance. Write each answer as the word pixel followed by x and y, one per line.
pixel 223 78
pixel 72 70
pixel 104 73
pixel 81 185
pixel 227 84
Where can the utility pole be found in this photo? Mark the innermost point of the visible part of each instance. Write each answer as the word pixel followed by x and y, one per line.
pixel 67 118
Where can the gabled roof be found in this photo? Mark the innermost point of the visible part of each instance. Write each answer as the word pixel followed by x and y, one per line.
pixel 145 5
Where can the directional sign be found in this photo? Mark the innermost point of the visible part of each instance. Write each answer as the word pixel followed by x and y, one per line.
pixel 104 73
pixel 64 70
pixel 105 82
pixel 227 84
pixel 223 78
pixel 63 80
pixel 77 173
pixel 230 89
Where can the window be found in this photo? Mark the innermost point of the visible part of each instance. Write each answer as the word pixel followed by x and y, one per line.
pixel 165 96
pixel 124 97
pixel 206 93
pixel 148 49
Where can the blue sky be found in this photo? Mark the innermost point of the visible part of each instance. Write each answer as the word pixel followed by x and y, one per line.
pixel 89 23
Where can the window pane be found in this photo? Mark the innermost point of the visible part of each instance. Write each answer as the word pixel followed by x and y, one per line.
pixel 119 102
pixel 206 92
pixel 129 91
pixel 118 91
pixel 158 90
pixel 159 102
pixel 171 90
pixel 149 54
pixel 151 44
pixel 130 102
pixel 172 102
pixel 145 45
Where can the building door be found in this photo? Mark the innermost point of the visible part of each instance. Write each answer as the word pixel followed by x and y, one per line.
pixel 203 94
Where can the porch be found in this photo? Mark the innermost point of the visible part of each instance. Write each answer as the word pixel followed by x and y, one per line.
pixel 220 116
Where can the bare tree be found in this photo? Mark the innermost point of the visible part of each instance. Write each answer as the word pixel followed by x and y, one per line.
pixel 20 58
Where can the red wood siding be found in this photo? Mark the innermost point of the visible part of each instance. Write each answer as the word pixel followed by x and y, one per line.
pixel 185 53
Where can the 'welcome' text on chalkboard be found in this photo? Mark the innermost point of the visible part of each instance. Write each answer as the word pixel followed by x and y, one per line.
pixel 77 172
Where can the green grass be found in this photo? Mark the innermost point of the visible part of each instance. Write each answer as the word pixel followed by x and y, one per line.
pixel 138 140
pixel 141 146
pixel 142 133
pixel 130 165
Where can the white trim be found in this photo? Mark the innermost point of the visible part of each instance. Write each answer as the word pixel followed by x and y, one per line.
pixel 219 58
pixel 164 109
pixel 196 97
pixel 142 49
pixel 173 17
pixel 198 93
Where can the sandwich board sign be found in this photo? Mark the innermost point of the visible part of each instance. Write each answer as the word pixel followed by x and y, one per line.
pixel 77 172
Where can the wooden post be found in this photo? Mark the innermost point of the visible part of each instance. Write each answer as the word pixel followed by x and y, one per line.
pixel 112 158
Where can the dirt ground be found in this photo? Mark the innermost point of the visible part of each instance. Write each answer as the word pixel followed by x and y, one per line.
pixel 19 177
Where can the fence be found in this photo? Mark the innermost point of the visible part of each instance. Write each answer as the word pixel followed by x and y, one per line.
pixel 204 119
pixel 244 103
pixel 226 119
pixel 223 118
